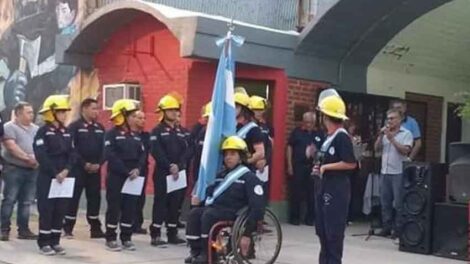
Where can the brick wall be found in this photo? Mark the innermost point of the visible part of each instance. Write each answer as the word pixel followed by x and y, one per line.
pixel 433 124
pixel 301 93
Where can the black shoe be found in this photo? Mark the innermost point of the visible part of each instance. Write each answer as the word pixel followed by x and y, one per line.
pixel 5 236
pixel 175 240
pixel 190 259
pixel 385 233
pixel 47 251
pixel 201 259
pixel 294 222
pixel 68 235
pixel 98 233
pixel 158 242
pixel 140 231
pixel 27 235
pixel 59 250
pixel 128 245
pixel 180 225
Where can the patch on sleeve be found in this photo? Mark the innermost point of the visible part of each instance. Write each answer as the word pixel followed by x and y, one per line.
pixel 107 143
pixel 259 190
pixel 39 142
pixel 153 138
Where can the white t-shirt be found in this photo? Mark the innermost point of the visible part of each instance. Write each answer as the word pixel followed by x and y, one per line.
pixel 392 160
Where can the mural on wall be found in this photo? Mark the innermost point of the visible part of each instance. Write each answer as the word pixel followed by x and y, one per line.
pixel 28 71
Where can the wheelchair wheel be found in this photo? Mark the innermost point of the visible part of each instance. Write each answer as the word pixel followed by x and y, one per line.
pixel 266 241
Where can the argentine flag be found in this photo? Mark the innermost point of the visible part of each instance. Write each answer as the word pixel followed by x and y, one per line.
pixel 222 119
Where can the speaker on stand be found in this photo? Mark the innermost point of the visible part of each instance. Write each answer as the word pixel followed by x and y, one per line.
pixel 423 186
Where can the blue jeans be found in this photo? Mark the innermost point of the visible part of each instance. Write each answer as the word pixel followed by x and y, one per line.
pixel 390 198
pixel 20 186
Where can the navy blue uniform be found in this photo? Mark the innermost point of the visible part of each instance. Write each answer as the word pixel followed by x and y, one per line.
pixel 88 140
pixel 246 191
pixel 198 134
pixel 252 138
pixel 268 133
pixel 168 146
pixel 332 193
pixel 54 152
pixel 124 152
pixel 145 136
pixel 302 184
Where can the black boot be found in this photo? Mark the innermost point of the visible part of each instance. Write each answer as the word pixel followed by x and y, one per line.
pixel 201 259
pixel 97 233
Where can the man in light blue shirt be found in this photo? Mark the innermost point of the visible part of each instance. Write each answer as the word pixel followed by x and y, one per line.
pixel 410 124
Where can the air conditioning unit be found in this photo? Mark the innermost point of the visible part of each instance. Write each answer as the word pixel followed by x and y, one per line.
pixel 114 92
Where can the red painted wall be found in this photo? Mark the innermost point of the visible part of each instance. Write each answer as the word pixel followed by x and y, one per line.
pixel 145 51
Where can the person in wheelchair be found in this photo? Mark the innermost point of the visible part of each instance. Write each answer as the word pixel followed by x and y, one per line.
pixel 235 187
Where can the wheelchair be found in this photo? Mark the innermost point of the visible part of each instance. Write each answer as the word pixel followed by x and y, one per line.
pixel 266 241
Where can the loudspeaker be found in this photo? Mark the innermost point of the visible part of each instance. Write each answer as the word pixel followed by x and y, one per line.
pixel 423 185
pixel 450 231
pixel 459 179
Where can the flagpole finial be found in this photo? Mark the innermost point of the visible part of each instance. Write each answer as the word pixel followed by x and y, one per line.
pixel 231 25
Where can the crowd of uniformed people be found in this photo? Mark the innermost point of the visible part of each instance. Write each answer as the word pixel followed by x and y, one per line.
pixel 80 150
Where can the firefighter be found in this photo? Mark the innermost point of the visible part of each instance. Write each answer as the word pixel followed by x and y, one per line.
pixel 333 165
pixel 125 154
pixel 198 133
pixel 234 188
pixel 88 139
pixel 145 136
pixel 169 149
pixel 249 131
pixel 258 105
pixel 53 150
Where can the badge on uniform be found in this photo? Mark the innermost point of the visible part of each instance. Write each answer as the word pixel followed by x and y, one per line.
pixel 331 151
pixel 258 190
pixel 317 139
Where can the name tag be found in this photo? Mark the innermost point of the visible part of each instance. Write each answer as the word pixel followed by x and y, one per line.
pixel 66 135
pixel 240 181
pixel 153 138
pixel 50 133
pixel 137 138
pixel 82 130
pixel 99 131
pixel 164 134
pixel 180 135
pixel 120 138
pixel 107 143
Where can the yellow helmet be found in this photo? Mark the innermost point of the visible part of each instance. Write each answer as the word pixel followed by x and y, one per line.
pixel 333 106
pixel 242 99
pixel 120 108
pixel 207 109
pixel 54 103
pixel 234 143
pixel 257 103
pixel 168 102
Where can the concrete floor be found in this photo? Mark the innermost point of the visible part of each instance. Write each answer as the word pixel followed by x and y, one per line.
pixel 300 245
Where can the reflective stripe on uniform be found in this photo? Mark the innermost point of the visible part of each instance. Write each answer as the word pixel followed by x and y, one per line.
pixel 45 232
pixel 56 231
pixel 111 226
pixel 92 217
pixel 172 225
pixel 204 235
pixel 70 217
pixel 157 226
pixel 188 237
pixel 126 225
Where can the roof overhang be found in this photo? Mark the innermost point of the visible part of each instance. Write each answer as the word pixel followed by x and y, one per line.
pixel 196 33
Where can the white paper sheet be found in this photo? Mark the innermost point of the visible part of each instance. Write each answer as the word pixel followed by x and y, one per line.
pixel 62 190
pixel 174 185
pixel 263 176
pixel 133 187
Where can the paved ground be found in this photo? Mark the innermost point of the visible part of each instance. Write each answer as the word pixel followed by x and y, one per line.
pixel 300 246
